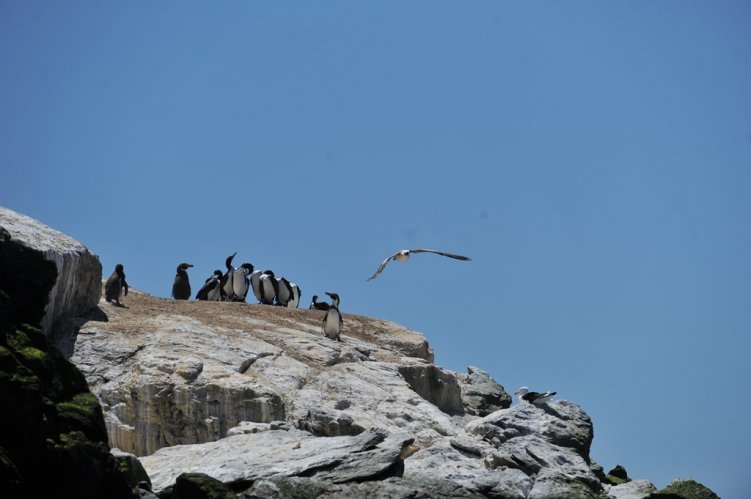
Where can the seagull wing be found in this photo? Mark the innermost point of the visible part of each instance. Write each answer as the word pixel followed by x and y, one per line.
pixel 382 266
pixel 442 253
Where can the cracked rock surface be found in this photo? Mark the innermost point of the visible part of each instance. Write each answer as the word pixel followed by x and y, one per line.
pixel 257 397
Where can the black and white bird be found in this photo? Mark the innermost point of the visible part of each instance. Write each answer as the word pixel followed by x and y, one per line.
pixel 212 288
pixel 403 256
pixel 116 286
pixel 227 289
pixel 284 291
pixel 268 287
pixel 333 322
pixel 181 286
pixel 241 281
pixel 318 305
pixel 535 398
pixel 296 294
pixel 255 284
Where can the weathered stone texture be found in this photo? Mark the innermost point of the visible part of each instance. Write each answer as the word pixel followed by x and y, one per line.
pixel 79 275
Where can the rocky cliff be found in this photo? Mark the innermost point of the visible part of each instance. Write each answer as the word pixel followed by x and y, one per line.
pixel 77 285
pixel 53 442
pixel 258 398
pixel 241 400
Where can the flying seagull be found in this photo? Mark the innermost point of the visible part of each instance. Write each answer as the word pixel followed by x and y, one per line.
pixel 533 397
pixel 403 256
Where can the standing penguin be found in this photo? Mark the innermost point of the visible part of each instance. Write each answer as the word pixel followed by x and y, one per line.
pixel 332 323
pixel 269 287
pixel 284 291
pixel 181 286
pixel 240 281
pixel 255 283
pixel 227 290
pixel 212 288
pixel 116 286
pixel 296 294
pixel 315 304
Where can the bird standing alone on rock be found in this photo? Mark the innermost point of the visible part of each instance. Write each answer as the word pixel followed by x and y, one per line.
pixel 181 286
pixel 533 397
pixel 403 256
pixel 116 286
pixel 333 322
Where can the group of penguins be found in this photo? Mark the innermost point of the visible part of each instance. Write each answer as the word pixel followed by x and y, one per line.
pixel 233 285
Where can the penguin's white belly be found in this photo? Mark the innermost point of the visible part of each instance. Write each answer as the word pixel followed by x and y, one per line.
pixel 214 294
pixel 332 325
pixel 255 281
pixel 239 283
pixel 228 285
pixel 283 295
pixel 295 299
pixel 268 288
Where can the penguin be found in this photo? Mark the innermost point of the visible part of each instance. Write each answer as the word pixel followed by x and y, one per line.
pixel 269 287
pixel 255 283
pixel 296 294
pixel 333 323
pixel 212 288
pixel 240 281
pixel 227 289
pixel 316 305
pixel 284 291
pixel 181 286
pixel 116 286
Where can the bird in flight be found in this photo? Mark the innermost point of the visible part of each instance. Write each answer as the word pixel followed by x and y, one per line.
pixel 403 256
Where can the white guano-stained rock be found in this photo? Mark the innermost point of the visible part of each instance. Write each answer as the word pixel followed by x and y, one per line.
pixel 170 372
pixel 257 396
pixel 256 456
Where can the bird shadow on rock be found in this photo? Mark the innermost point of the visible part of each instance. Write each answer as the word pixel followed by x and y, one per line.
pixel 551 411
pixel 96 314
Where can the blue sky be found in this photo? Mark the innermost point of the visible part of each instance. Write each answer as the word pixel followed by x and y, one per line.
pixel 593 158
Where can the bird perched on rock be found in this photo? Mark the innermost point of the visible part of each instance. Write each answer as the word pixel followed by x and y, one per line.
pixel 318 305
pixel 403 256
pixel 116 286
pixel 181 286
pixel 294 301
pixel 240 281
pixel 332 322
pixel 227 289
pixel 535 398
pixel 268 287
pixel 212 288
pixel 255 283
pixel 284 291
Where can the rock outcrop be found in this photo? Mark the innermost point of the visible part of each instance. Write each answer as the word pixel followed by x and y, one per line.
pixel 53 442
pixel 257 397
pixel 77 287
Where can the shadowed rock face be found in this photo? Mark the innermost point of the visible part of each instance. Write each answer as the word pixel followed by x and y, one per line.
pixel 77 285
pixel 53 442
